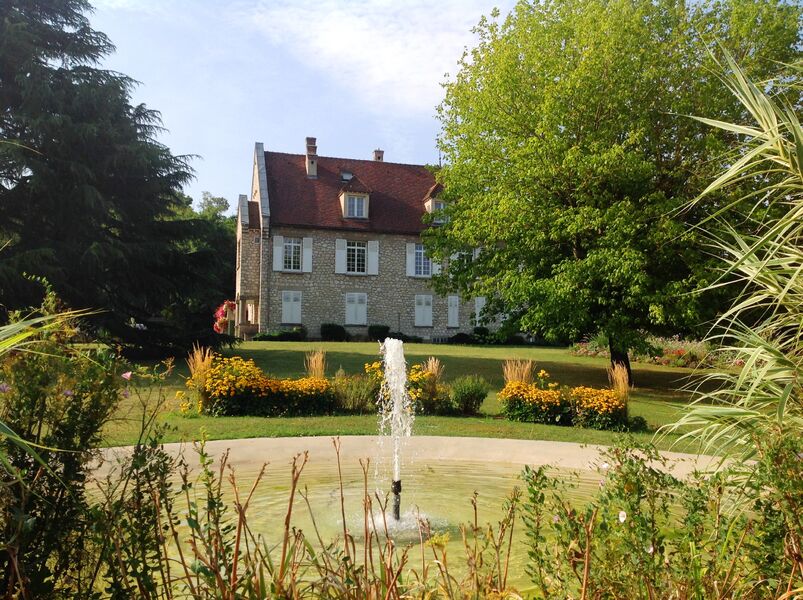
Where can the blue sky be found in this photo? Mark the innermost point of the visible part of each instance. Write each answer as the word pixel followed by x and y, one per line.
pixel 356 75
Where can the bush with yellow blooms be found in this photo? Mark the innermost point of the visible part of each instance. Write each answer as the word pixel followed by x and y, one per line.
pixel 236 386
pixel 543 401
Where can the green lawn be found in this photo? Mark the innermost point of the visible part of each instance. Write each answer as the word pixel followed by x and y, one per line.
pixel 656 397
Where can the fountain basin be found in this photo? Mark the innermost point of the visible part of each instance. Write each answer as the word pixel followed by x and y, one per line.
pixel 441 475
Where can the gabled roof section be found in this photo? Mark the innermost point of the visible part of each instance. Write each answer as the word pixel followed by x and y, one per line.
pixel 356 186
pixel 397 193
pixel 433 192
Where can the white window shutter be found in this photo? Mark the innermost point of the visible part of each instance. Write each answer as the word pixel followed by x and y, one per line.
pixel 306 257
pixel 349 309
pixel 410 260
pixel 373 258
pixel 278 252
pixel 453 311
pixel 287 299
pixel 479 304
pixel 340 256
pixel 291 306
pixel 296 307
pixel 362 309
pixel 423 310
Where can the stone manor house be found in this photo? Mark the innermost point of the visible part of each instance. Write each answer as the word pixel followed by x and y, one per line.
pixel 337 240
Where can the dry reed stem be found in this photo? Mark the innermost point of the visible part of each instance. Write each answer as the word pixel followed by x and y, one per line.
pixel 315 363
pixel 518 370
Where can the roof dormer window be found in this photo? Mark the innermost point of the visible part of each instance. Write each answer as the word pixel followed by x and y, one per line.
pixel 355 206
pixel 436 208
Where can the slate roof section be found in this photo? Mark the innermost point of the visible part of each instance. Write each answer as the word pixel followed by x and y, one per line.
pixel 397 193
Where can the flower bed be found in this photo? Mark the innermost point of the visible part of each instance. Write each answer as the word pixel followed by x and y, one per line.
pixel 235 386
pixel 528 403
pixel 543 402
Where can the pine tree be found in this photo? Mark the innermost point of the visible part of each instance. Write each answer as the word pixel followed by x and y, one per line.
pixel 88 197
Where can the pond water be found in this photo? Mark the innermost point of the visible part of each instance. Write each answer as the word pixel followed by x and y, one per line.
pixel 439 491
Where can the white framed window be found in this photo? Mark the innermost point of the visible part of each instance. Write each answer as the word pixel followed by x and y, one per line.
pixel 453 311
pixel 292 254
pixel 423 310
pixel 355 207
pixel 356 308
pixel 437 207
pixel 250 312
pixel 291 306
pixel 356 257
pixel 423 266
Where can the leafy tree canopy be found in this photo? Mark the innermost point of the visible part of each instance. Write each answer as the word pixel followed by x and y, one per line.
pixel 88 198
pixel 568 152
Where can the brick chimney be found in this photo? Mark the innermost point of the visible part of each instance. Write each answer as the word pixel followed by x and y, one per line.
pixel 379 155
pixel 312 158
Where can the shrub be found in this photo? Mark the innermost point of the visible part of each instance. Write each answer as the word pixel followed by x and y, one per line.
pixel 598 408
pixel 57 397
pixel 462 338
pixel 296 334
pixel 427 394
pixel 233 385
pixel 355 393
pixel 412 339
pixel 378 333
pixel 468 393
pixel 531 404
pixel 332 332
pixel 239 387
pixel 482 335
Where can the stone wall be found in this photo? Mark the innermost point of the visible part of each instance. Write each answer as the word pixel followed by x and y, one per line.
pixel 247 278
pixel 391 293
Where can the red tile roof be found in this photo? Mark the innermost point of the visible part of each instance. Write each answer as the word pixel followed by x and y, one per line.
pixel 397 193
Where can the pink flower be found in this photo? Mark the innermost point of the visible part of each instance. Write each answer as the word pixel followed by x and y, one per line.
pixel 127 375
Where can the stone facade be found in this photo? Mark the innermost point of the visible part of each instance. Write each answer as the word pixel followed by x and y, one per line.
pixel 390 293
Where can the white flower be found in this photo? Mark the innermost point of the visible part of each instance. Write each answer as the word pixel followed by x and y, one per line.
pixel 651 549
pixel 605 465
pixel 622 516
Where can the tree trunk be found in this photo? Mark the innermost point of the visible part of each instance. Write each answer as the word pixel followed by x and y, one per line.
pixel 620 357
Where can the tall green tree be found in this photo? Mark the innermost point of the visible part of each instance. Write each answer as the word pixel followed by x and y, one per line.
pixel 88 197
pixel 568 154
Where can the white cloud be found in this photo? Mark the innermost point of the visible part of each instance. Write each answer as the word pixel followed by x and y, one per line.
pixel 389 55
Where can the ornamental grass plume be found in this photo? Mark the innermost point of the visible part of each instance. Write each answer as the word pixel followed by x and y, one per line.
pixel 618 380
pixel 435 368
pixel 199 362
pixel 315 364
pixel 518 370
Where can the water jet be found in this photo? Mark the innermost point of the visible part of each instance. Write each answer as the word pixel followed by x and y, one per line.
pixel 396 414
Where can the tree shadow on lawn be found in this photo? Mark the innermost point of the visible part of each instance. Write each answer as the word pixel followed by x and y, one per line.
pixel 651 381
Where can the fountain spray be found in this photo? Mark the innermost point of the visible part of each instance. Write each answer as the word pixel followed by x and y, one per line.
pixel 396 414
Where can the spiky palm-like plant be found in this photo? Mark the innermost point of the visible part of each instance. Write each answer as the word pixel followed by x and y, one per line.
pixel 764 399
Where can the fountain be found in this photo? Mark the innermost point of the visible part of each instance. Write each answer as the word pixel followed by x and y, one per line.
pixel 396 414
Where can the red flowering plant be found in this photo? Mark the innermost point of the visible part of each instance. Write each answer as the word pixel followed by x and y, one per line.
pixel 221 320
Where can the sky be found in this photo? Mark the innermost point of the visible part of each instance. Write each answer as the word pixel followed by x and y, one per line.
pixel 224 75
